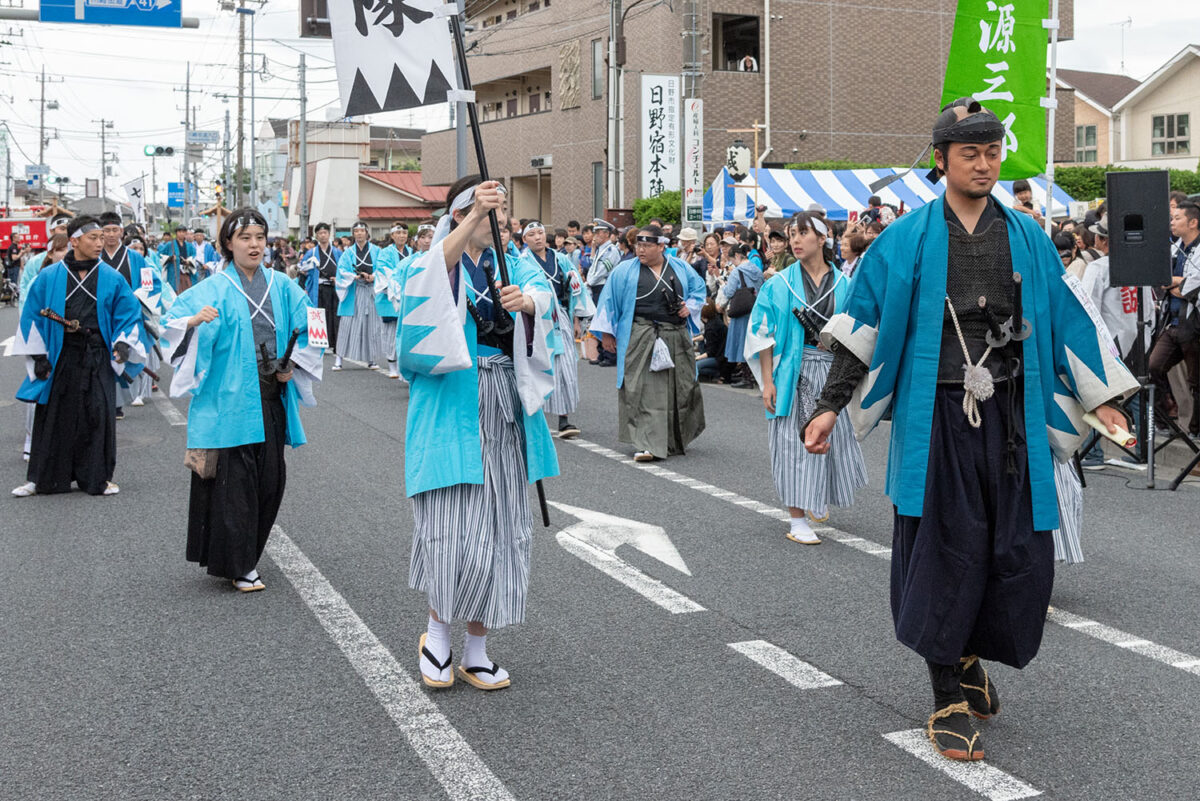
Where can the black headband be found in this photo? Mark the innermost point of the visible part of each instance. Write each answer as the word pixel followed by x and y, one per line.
pixel 86 228
pixel 246 220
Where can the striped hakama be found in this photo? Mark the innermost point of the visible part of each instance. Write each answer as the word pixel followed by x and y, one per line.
pixel 471 543
pixel 360 336
pixel 565 398
pixel 388 324
pixel 1070 514
pixel 807 480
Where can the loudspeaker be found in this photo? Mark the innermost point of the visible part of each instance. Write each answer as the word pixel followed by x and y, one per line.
pixel 1139 245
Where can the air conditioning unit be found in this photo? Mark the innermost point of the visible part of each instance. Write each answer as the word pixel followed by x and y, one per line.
pixel 542 162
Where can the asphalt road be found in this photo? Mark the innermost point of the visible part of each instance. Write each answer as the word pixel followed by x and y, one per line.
pixel 128 673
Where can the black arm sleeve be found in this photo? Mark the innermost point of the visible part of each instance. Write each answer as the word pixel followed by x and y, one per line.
pixel 844 375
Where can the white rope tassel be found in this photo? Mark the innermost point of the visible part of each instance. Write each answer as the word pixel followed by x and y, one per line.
pixel 977 381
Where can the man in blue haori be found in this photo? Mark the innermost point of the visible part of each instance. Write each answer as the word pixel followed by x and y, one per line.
pixel 961 321
pixel 647 315
pixel 80 330
pixel 478 358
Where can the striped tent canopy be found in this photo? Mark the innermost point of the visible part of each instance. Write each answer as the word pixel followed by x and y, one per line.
pixel 785 192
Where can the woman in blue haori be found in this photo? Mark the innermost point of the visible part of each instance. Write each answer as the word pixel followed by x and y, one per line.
pixel 961 321
pixel 478 358
pixel 790 364
pixel 747 274
pixel 228 341
pixel 360 330
pixel 80 331
pixel 389 294
pixel 571 302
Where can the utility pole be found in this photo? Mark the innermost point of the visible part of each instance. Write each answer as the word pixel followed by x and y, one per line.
pixel 187 126
pixel 43 80
pixel 253 120
pixel 228 146
pixel 303 152
pixel 241 106
pixel 103 163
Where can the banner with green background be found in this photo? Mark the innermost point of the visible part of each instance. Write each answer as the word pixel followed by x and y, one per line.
pixel 998 56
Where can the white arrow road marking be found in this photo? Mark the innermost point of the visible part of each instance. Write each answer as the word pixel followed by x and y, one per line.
pixel 449 757
pixel 596 538
pixel 173 415
pixel 791 668
pixel 1129 642
pixel 7 345
pixel 990 782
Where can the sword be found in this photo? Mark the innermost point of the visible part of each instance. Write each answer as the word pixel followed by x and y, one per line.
pixel 72 326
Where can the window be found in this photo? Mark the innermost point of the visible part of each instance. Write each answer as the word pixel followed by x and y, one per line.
pixel 511 14
pixel 597 189
pixel 510 108
pixel 533 7
pixel 1085 144
pixel 535 103
pixel 597 69
pixel 1170 135
pixel 735 43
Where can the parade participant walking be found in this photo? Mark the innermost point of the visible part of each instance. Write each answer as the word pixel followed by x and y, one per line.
pixel 979 396
pixel 79 330
pixel 647 314
pixel 606 255
pixel 387 291
pixel 785 355
pixel 321 263
pixel 175 254
pixel 571 302
pixel 478 358
pixel 147 289
pixel 54 226
pixel 239 346
pixel 360 333
pixel 56 250
pixel 207 258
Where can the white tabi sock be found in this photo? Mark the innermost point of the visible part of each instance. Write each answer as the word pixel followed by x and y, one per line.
pixel 437 642
pixel 802 531
pixel 475 655
pixel 392 371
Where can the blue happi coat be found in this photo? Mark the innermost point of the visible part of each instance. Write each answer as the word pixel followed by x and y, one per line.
pixel 118 311
pixel 614 309
pixel 219 368
pixel 436 346
pixel 347 283
pixel 893 323
pixel 172 248
pixel 773 325
pixel 579 300
pixel 311 264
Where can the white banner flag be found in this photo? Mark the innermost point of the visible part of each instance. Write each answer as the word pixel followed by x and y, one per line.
pixel 136 189
pixel 392 54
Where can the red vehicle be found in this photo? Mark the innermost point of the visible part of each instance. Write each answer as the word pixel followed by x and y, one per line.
pixel 29 231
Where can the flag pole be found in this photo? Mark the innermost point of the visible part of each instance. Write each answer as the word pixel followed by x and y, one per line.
pixel 464 77
pixel 1051 105
pixel 473 118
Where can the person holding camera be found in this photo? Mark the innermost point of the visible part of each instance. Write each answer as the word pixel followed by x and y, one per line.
pixel 741 288
pixel 784 352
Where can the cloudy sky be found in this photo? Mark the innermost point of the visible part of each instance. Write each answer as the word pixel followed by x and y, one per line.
pixel 135 77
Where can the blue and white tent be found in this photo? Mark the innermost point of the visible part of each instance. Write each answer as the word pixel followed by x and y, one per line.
pixel 785 192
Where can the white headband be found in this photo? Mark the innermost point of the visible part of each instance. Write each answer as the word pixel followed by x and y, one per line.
pixel 361 225
pixel 396 228
pixel 245 221
pixel 819 226
pixel 461 201
pixel 533 225
pixel 423 228
pixel 86 228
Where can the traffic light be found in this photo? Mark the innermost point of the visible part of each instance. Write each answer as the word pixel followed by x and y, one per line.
pixel 158 150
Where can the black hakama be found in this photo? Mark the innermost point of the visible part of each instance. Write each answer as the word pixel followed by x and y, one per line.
pixel 327 299
pixel 75 432
pixel 230 515
pixel 971 576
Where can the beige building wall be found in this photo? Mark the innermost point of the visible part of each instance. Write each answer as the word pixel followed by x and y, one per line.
pixel 836 93
pixel 1087 114
pixel 1178 94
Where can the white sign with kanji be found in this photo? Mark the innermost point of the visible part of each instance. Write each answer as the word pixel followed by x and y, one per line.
pixel 661 135
pixel 318 334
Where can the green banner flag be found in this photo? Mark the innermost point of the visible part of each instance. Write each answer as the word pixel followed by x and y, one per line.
pixel 998 56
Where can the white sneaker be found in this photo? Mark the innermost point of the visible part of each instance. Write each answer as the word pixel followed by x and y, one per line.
pixel 336 367
pixel 26 489
pixel 111 489
pixel 137 402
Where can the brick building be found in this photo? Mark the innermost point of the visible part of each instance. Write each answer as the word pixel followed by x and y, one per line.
pixel 848 80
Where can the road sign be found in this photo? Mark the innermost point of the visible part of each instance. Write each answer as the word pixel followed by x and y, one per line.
pixel 175 194
pixel 159 13
pixel 34 170
pixel 203 137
